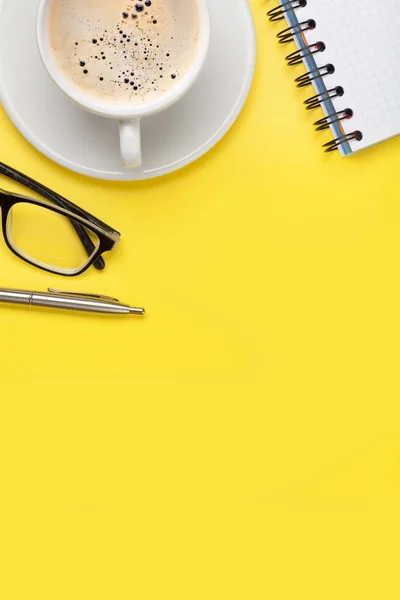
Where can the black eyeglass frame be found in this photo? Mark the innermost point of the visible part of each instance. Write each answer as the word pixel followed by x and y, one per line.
pixel 108 237
pixel 59 200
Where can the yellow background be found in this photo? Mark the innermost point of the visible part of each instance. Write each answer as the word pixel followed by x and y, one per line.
pixel 242 440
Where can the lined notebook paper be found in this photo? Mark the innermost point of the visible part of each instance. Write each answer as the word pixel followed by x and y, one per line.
pixel 360 38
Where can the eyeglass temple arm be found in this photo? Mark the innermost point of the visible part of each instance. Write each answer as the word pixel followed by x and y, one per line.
pixel 42 189
pixel 49 194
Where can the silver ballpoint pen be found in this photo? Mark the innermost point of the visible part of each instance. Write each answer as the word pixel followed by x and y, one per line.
pixel 94 303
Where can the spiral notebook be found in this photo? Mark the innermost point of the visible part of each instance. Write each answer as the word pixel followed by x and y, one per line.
pixel 351 52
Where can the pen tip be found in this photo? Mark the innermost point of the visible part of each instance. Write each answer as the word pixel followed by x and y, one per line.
pixel 137 311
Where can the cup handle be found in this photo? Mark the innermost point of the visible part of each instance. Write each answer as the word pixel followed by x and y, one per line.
pixel 131 144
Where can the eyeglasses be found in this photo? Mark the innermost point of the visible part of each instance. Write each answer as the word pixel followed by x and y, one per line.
pixel 60 237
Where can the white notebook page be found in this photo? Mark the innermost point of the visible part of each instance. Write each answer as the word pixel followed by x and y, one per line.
pixel 362 39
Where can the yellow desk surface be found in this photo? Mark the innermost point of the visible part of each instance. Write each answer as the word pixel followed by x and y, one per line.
pixel 240 441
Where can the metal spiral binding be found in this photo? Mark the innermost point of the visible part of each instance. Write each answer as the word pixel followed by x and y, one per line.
pixel 319 99
pixel 310 76
pixel 287 35
pixel 295 58
pixel 326 122
pixel 278 13
pixel 344 139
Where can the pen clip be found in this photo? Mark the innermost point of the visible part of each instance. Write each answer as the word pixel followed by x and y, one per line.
pixel 82 295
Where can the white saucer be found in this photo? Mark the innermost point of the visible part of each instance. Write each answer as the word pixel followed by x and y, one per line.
pixel 88 144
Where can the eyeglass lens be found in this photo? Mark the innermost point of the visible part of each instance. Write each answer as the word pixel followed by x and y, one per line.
pixel 47 238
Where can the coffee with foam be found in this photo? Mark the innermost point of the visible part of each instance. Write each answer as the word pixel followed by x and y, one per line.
pixel 121 52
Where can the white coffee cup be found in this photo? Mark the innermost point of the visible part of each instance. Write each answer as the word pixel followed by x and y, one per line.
pixel 129 117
